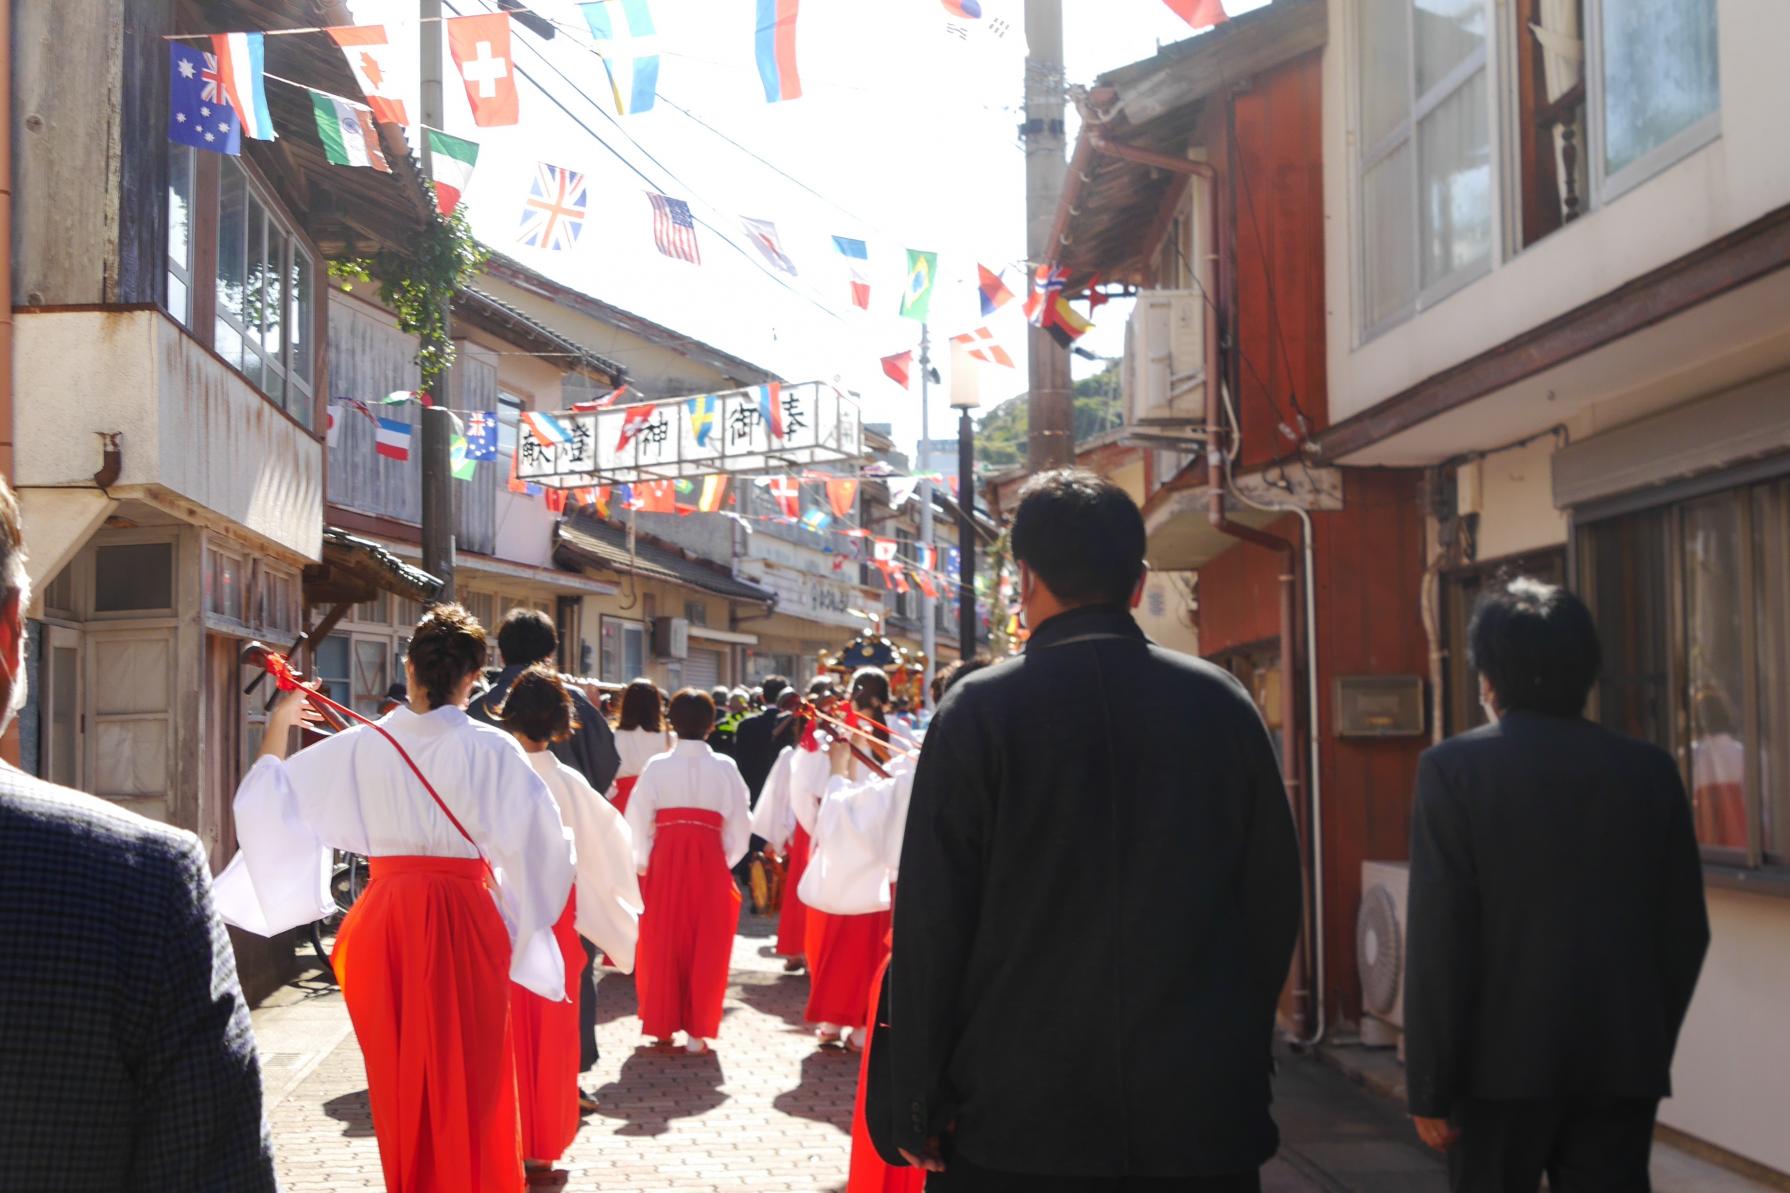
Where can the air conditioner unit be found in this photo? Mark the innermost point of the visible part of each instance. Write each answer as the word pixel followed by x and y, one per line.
pixel 671 638
pixel 1164 376
pixel 1380 951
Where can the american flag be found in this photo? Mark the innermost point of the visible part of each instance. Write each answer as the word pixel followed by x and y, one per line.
pixel 673 229
pixel 553 213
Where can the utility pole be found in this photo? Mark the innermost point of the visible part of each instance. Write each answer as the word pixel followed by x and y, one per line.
pixel 1050 438
pixel 929 641
pixel 437 424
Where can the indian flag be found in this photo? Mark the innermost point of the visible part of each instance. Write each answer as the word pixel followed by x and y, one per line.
pixel 348 133
pixel 450 168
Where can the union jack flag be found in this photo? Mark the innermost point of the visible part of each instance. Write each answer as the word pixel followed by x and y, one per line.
pixel 553 213
pixel 211 80
pixel 674 231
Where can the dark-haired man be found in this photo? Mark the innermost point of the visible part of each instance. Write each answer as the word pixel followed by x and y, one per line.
pixel 752 748
pixel 1143 831
pixel 527 637
pixel 1557 921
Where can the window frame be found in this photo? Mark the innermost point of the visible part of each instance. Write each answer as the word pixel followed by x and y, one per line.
pixel 1605 188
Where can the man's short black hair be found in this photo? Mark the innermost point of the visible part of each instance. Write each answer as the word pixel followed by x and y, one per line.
pixel 1081 535
pixel 773 687
pixel 1537 646
pixel 526 637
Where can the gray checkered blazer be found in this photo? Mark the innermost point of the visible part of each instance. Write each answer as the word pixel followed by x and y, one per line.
pixel 126 1059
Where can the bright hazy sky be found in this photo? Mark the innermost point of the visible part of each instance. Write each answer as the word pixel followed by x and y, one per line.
pixel 904 137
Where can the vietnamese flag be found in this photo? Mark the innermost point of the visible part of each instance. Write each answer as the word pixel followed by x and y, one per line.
pixel 842 495
pixel 481 49
pixel 1201 14
pixel 898 368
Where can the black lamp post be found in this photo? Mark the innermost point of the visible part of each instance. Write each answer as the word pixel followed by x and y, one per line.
pixel 968 625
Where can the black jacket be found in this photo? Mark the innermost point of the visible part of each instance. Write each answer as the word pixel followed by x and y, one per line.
pixel 126 1059
pixel 1098 901
pixel 590 750
pixel 1556 919
pixel 753 750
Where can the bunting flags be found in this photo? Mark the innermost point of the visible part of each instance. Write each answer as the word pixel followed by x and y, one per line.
pixel 656 497
pixel 632 424
pixel 713 494
pixel 703 413
pixel 348 134
pixel 547 429
pixel 401 397
pixel 787 492
pixel 982 345
pixel 816 519
pixel 968 9
pixel 553 213
pixel 1200 14
pixel 333 434
pixel 480 46
pixel 916 299
pixel 243 81
pixel 369 52
pixel 775 44
pixel 481 435
pixel 599 497
pixel 450 168
pixel 901 490
pixel 993 290
pixel 630 52
pixel 199 112
pixel 392 439
pixel 898 367
pixel 674 231
pixel 762 234
pixel 842 495
pixel 857 258
pixel 883 550
pixel 460 464
pixel 770 406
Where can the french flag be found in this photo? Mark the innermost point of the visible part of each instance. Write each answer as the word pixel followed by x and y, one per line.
pixel 549 430
pixel 392 439
pixel 241 68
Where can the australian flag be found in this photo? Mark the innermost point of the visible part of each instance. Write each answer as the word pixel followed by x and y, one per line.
pixel 199 111
pixel 481 435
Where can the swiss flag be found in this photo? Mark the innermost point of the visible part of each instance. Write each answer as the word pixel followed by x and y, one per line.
pixel 1200 14
pixel 481 49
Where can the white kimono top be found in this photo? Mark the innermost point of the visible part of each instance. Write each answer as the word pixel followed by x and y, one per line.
pixel 354 792
pixel 809 773
pixel 637 747
pixel 857 842
pixel 774 819
pixel 691 776
pixel 607 889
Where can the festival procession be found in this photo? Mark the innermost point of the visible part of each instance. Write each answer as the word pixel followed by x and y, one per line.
pixel 967 596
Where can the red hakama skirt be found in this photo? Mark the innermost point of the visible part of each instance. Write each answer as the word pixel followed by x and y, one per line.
pixel 843 953
pixel 423 959
pixel 792 919
pixel 624 787
pixel 868 1172
pixel 547 1053
pixel 687 929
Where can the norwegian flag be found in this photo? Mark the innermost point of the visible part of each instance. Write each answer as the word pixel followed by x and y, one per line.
pixel 983 346
pixel 553 213
pixel 674 229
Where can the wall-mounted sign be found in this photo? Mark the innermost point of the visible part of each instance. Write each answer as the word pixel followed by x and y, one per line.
pixel 1379 706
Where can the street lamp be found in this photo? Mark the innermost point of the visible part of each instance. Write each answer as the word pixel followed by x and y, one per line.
pixel 966 396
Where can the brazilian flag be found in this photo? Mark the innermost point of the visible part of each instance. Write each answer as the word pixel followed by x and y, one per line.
pixel 922 271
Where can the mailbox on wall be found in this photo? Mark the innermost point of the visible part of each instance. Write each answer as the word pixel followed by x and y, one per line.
pixel 1379 706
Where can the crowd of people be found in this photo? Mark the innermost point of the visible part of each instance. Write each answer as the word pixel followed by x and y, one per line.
pixel 1057 930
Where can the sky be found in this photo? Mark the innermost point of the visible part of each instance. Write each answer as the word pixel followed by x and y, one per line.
pixel 905 136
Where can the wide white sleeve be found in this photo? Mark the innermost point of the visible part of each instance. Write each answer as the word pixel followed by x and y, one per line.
pixel 895 828
pixel 736 814
pixel 846 874
pixel 771 819
pixel 608 890
pixel 280 876
pixel 808 776
pixel 530 851
pixel 643 811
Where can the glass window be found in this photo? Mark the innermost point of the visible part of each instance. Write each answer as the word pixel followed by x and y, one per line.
pixel 266 282
pixel 180 232
pixel 372 671
pixel 233 231
pixel 1426 162
pixel 332 667
pixel 133 577
pixel 509 414
pixel 1715 682
pixel 1659 74
pixel 624 650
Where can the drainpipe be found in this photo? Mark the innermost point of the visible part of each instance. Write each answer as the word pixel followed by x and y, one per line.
pixel 1307 984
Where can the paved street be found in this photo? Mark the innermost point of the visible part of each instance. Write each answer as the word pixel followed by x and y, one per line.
pixel 770 1113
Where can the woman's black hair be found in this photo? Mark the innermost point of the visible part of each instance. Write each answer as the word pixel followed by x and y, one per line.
pixel 692 714
pixel 643 707
pixel 538 706
pixel 447 645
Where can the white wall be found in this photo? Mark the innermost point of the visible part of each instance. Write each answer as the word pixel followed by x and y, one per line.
pixel 1514 494
pixel 196 438
pixel 1732 1077
pixel 1728 183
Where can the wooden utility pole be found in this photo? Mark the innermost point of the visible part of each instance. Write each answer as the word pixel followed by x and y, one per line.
pixel 1050 408
pixel 436 438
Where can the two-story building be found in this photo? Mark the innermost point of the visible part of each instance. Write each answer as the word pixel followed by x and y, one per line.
pixel 1557 283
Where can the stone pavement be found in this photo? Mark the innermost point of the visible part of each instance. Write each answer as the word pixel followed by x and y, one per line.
pixel 768 1112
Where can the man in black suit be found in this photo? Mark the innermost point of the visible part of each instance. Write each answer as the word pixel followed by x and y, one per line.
pixel 1099 896
pixel 752 748
pixel 1556 920
pixel 126 1060
pixel 527 637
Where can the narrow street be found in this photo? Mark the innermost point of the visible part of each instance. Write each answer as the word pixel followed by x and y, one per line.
pixel 769 1112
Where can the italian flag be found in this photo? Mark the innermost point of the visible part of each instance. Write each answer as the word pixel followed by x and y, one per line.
pixel 348 133
pixel 450 168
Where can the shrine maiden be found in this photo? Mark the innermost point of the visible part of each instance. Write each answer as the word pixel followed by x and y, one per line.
pixel 640 736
